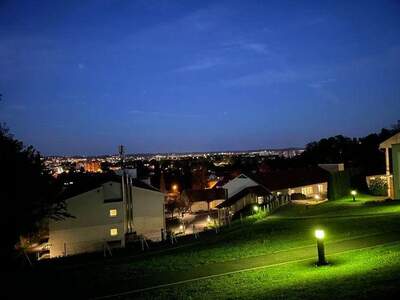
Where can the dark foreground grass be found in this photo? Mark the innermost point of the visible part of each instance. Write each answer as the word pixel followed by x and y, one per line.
pixel 366 273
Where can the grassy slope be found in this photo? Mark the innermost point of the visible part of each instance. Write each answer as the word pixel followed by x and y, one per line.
pixel 264 235
pixel 260 236
pixel 359 274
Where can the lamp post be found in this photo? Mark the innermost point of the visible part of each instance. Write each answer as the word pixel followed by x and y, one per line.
pixel 320 235
pixel 255 208
pixel 354 193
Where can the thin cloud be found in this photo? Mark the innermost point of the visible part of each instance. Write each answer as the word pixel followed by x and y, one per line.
pixel 256 47
pixel 164 114
pixel 201 65
pixel 322 83
pixel 262 78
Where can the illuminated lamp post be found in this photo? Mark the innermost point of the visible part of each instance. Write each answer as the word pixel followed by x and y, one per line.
pixel 175 188
pixel 354 193
pixel 320 235
pixel 255 208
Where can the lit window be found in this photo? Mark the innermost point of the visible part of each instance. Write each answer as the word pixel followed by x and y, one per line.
pixel 260 200
pixel 113 212
pixel 307 190
pixel 320 188
pixel 113 231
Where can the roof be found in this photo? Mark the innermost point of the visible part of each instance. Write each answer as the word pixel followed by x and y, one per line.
pixel 279 180
pixel 83 182
pixel 390 141
pixel 205 195
pixel 259 190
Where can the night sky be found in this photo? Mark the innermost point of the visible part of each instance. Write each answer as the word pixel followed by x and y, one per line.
pixel 81 77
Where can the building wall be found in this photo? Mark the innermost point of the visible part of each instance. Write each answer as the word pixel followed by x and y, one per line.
pixel 312 190
pixel 90 229
pixel 332 168
pixel 238 184
pixel 90 226
pixel 396 170
pixel 199 206
pixel 203 206
pixel 243 202
pixel 148 213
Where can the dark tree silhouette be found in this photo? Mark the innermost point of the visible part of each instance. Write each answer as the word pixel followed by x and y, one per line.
pixel 28 192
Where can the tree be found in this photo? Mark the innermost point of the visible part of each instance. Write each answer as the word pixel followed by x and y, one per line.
pixel 28 192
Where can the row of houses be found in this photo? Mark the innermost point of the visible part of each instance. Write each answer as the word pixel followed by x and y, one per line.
pixel 246 189
pixel 112 210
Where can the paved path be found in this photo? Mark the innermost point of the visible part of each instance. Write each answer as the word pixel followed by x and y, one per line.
pixel 164 279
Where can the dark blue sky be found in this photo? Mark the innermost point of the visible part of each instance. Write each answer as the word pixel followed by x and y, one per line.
pixel 81 77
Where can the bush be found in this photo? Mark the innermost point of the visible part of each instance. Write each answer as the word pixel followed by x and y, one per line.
pixel 298 196
pixel 339 185
pixel 378 187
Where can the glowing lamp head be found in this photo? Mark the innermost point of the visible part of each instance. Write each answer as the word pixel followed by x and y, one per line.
pixel 181 227
pixel 319 234
pixel 255 208
pixel 208 219
pixel 354 192
pixel 175 187
pixel 317 197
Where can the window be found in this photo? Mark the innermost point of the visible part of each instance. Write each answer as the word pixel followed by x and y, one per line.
pixel 113 212
pixel 113 231
pixel 320 188
pixel 307 190
pixel 260 200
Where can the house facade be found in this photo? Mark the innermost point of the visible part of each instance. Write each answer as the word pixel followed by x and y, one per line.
pixel 274 189
pixel 247 196
pixel 311 182
pixel 107 215
pixel 203 200
pixel 392 159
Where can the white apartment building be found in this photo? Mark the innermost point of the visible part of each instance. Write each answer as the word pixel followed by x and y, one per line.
pixel 107 213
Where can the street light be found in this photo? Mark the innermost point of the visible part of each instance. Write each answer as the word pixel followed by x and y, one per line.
pixel 354 193
pixel 320 235
pixel 175 188
pixel 255 208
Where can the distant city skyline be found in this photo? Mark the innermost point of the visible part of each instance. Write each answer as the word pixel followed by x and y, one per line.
pixel 194 153
pixel 80 78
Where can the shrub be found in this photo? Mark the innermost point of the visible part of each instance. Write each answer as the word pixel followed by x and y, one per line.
pixel 339 185
pixel 298 196
pixel 378 187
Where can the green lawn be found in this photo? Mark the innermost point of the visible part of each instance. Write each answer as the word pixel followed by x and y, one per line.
pixel 262 235
pixel 359 274
pixel 259 236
